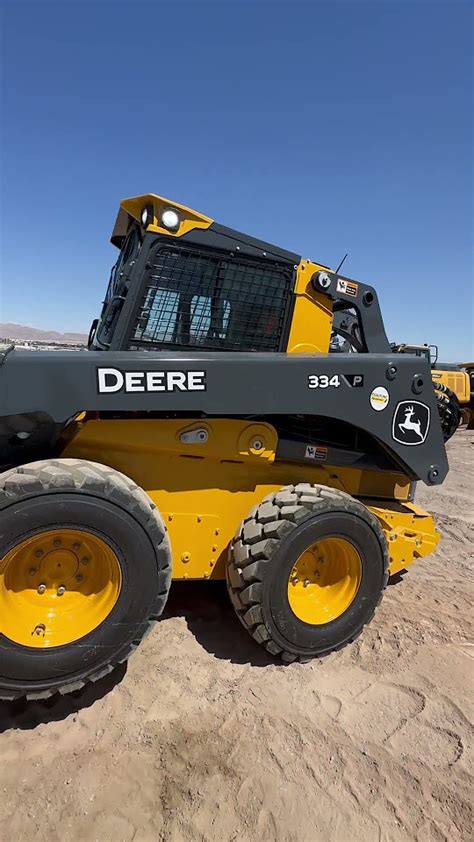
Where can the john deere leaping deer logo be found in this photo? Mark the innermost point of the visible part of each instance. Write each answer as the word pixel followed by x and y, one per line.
pixel 411 421
pixel 408 424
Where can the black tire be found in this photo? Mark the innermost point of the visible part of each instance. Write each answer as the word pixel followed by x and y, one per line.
pixel 449 410
pixel 85 495
pixel 265 549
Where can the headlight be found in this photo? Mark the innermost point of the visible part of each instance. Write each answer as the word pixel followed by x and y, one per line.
pixel 170 219
pixel 147 216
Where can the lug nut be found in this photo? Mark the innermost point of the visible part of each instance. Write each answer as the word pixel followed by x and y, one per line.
pixel 41 588
pixel 61 590
pixel 85 560
pixel 294 581
pixel 32 571
pixel 39 553
pixel 39 629
pixel 76 547
pixel 79 578
pixel 56 543
pixel 306 583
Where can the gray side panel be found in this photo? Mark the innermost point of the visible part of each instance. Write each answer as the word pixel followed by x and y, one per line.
pixel 63 384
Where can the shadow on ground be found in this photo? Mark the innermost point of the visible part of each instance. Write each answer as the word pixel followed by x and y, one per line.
pixel 211 619
pixel 25 715
pixel 397 578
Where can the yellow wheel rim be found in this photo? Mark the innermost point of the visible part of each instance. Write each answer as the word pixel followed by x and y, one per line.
pixel 56 587
pixel 324 581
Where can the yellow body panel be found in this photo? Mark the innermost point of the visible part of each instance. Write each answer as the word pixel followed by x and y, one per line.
pixel 457 381
pixel 468 411
pixel 190 219
pixel 311 322
pixel 204 489
pixel 410 532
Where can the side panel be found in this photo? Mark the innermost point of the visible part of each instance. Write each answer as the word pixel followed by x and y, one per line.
pixel 390 398
pixel 206 476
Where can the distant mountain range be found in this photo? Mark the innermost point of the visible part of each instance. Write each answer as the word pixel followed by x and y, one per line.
pixel 22 333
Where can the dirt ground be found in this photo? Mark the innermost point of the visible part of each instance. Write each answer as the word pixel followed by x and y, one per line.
pixel 204 738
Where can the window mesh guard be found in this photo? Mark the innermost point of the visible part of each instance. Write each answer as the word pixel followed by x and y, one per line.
pixel 209 301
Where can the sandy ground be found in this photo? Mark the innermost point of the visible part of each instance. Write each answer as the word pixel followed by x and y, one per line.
pixel 204 738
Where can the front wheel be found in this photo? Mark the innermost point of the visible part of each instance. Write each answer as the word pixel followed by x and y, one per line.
pixel 85 568
pixel 306 571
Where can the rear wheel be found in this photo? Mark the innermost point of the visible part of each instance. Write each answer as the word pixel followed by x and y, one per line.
pixel 85 568
pixel 306 571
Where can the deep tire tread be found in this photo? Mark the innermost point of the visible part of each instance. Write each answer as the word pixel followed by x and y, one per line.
pixel 92 478
pixel 278 514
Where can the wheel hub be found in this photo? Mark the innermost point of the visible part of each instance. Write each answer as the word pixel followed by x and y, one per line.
pixel 324 581
pixel 58 566
pixel 56 587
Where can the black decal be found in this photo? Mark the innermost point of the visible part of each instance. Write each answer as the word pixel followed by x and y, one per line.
pixel 354 380
pixel 411 422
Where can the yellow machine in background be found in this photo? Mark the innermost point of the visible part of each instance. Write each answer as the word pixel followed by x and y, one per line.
pixel 454 386
pixel 468 411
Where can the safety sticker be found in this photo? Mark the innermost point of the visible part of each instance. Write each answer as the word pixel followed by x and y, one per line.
pixel 379 398
pixel 411 422
pixel 348 287
pixel 315 452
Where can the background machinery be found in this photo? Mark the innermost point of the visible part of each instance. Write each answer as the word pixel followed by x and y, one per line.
pixel 208 433
pixel 453 383
pixel 468 411
pixel 452 387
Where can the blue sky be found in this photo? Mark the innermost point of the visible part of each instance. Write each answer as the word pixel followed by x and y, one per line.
pixel 324 127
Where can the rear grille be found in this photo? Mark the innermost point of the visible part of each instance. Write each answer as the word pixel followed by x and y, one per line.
pixel 211 301
pixel 457 383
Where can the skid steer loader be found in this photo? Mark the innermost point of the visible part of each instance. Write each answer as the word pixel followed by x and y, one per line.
pixel 207 433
